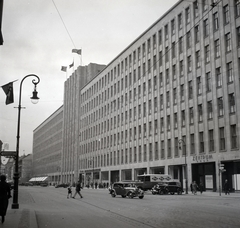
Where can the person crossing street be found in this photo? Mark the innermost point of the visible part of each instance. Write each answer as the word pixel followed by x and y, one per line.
pixel 78 190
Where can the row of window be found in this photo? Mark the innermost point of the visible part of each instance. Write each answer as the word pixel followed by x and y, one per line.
pixel 154 152
pixel 104 81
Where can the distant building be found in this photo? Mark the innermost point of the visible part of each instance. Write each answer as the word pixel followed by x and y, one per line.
pixel 25 168
pixel 47 147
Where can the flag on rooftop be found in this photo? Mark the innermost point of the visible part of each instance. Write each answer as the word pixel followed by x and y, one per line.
pixel 78 51
pixel 64 68
pixel 71 65
pixel 8 90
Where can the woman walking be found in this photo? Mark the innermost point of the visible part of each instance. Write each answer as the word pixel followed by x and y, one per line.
pixel 5 194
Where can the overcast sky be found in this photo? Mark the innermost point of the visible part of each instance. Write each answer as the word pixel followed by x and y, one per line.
pixel 37 42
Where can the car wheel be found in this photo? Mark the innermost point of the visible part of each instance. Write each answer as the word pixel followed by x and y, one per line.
pixel 113 194
pixel 161 192
pixel 154 193
pixel 130 195
pixel 141 197
pixel 123 196
pixel 172 193
pixel 179 192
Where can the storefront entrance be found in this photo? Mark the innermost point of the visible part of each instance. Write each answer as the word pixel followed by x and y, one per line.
pixel 205 173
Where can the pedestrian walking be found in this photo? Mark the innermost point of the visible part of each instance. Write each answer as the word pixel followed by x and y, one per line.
pixel 191 188
pixel 226 187
pixel 69 191
pixel 5 194
pixel 78 190
pixel 194 186
pixel 201 187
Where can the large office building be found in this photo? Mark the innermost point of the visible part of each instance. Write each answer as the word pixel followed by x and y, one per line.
pixel 168 103
pixel 47 148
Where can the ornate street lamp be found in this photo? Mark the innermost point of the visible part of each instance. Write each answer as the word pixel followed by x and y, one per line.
pixel 34 99
pixel 181 144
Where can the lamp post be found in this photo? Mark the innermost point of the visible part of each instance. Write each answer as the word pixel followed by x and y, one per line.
pixel 182 143
pixel 34 99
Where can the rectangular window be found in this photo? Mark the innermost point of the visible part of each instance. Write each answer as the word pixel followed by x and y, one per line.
pixel 173 50
pixel 206 28
pixel 169 148
pixel 156 157
pixel 218 77
pixel 183 118
pixel 189 40
pixel 168 99
pixel 162 124
pixel 232 107
pixel 175 120
pixel 182 92
pixel 200 113
pixel 207 54
pixel 228 42
pixel 191 116
pixel 181 66
pixel 161 102
pixel 180 21
pixel 180 45
pixel 198 60
pixel 189 63
pixel 174 72
pixel 168 123
pixel 209 82
pixel 205 5
pixel 187 11
pixel 215 21
pixel 199 85
pixel 233 129
pixel 229 72
pixel 175 96
pixel 176 154
pixel 155 104
pixel 162 149
pixel 192 144
pixel 222 138
pixel 226 16
pixel 220 107
pixel 160 37
pixel 237 8
pixel 211 140
pixel 166 32
pixel 238 36
pixel 197 34
pixel 145 152
pixel 155 127
pixel 173 27
pixel 196 9
pixel 217 48
pixel 140 154
pixel 210 110
pixel 190 90
pixel 201 142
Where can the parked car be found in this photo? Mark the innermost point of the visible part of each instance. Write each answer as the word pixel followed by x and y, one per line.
pixel 127 188
pixel 160 188
pixel 61 185
pixel 175 187
pixel 172 187
pixel 44 184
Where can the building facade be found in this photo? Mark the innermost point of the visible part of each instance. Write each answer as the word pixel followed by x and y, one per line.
pixel 168 103
pixel 47 147
pixel 170 99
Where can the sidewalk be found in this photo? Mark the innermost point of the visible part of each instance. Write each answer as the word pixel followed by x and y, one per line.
pixel 24 217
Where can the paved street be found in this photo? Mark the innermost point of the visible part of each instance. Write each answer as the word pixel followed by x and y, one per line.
pixel 99 209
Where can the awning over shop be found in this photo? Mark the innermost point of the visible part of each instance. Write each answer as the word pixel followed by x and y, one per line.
pixel 38 179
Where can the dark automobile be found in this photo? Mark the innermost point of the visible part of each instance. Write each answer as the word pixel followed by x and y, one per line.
pixel 175 187
pixel 160 188
pixel 128 189
pixel 172 187
pixel 44 184
pixel 61 185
